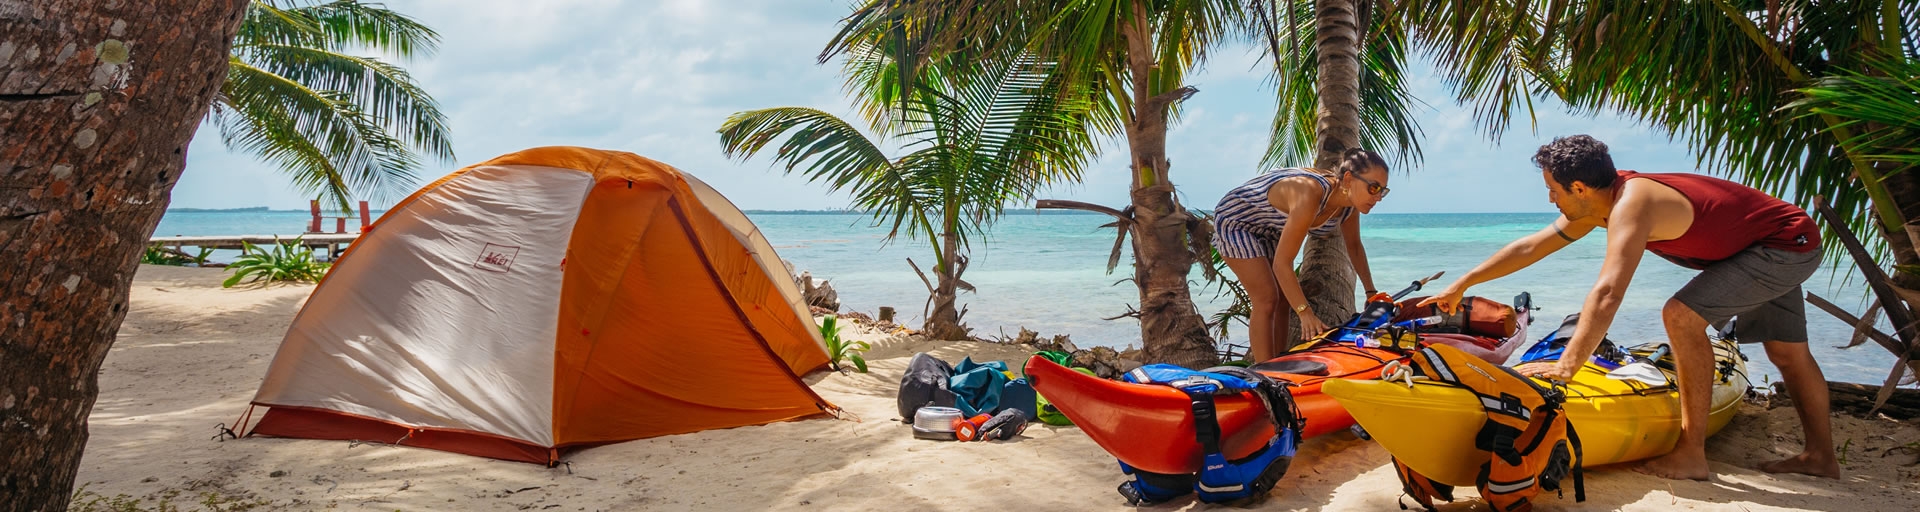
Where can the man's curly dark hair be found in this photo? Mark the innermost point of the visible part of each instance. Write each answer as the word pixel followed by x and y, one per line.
pixel 1577 158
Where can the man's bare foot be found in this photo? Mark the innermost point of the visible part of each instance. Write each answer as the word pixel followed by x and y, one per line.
pixel 1675 466
pixel 1805 464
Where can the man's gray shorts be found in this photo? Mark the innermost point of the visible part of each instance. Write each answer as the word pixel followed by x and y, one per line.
pixel 1758 288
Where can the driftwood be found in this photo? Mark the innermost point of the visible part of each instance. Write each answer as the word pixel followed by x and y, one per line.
pixel 1858 399
pixel 819 295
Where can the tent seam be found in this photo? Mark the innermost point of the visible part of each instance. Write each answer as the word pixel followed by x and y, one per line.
pixel 594 337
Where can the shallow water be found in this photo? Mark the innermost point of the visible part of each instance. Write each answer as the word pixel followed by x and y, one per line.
pixel 1047 272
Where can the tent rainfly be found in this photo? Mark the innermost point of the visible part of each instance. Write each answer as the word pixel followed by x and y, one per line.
pixel 551 298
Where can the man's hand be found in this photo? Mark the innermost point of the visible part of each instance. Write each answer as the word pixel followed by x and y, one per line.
pixel 1448 300
pixel 1549 371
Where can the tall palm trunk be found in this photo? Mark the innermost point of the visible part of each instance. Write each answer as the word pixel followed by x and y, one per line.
pixel 1326 276
pixel 99 103
pixel 1171 328
pixel 943 323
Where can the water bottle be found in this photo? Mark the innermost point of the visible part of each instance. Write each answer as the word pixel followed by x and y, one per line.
pixel 1427 321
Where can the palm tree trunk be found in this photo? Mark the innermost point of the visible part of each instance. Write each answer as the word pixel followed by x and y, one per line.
pixel 1171 328
pixel 943 323
pixel 1326 276
pixel 97 110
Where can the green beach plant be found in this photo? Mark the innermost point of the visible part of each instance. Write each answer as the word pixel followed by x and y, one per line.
pixel 285 261
pixel 338 124
pixel 977 140
pixel 840 349
pixel 159 254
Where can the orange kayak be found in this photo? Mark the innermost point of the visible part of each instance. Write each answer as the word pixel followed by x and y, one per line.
pixel 1150 427
pixel 1119 416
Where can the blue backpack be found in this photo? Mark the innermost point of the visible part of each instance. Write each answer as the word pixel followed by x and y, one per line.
pixel 1219 480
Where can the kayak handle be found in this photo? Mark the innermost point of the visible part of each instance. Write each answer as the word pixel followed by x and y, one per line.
pixel 1395 370
pixel 1659 353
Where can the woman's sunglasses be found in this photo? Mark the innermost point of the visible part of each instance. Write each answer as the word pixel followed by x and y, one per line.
pixel 1373 187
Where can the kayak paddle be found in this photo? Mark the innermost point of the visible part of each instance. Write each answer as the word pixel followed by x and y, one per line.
pixel 1643 369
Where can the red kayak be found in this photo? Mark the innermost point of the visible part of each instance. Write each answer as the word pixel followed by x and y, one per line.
pixel 1150 427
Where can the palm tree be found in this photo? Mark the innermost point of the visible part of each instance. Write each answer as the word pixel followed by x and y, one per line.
pixel 980 140
pixel 91 160
pixel 1137 54
pixel 334 122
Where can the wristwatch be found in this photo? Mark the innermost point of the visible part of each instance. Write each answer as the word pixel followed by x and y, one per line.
pixel 1302 308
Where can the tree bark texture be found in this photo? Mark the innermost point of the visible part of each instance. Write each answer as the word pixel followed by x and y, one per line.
pixel 98 100
pixel 1171 328
pixel 943 323
pixel 1326 280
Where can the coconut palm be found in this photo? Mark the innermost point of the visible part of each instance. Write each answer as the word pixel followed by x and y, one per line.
pixel 979 140
pixel 337 123
pixel 1137 55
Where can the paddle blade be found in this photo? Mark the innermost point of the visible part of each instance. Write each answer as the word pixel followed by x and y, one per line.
pixel 1640 371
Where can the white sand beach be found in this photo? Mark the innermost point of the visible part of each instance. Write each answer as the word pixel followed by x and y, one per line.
pixel 191 354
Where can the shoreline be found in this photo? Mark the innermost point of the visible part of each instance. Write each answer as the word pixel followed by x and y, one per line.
pixel 191 354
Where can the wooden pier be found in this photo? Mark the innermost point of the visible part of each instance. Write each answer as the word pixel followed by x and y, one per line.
pixel 329 241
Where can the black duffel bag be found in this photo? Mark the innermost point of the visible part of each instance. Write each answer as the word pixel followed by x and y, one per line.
pixel 924 383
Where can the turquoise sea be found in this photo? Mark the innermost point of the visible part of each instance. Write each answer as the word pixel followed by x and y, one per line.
pixel 1046 271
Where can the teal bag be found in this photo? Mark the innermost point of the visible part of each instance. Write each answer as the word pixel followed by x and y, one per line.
pixel 977 386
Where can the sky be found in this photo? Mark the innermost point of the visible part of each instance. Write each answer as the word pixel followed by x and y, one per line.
pixel 657 78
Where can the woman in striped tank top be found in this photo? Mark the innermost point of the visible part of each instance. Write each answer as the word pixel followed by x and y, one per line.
pixel 1252 232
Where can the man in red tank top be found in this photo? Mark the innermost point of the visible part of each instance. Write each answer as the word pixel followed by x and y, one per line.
pixel 1753 251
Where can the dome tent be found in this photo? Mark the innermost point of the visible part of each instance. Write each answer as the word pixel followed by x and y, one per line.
pixel 550 298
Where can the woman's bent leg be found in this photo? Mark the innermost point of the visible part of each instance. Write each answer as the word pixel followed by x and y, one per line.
pixel 1267 320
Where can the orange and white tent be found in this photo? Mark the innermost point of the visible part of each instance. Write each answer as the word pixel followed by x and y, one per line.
pixel 551 298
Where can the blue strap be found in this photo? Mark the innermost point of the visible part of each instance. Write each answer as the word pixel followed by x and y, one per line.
pixel 1194 382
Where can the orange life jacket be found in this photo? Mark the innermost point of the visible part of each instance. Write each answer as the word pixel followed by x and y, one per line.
pixel 1534 447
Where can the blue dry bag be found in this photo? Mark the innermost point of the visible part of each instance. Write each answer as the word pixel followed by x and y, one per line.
pixel 1219 480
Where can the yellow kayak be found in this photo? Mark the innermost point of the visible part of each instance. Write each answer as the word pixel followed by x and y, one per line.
pixel 1430 426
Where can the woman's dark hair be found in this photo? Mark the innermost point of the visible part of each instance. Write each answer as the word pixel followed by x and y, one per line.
pixel 1356 161
pixel 1577 158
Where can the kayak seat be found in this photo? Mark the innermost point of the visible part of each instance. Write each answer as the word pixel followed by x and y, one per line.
pixel 1293 366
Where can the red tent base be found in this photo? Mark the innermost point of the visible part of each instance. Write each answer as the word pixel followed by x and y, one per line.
pixel 281 421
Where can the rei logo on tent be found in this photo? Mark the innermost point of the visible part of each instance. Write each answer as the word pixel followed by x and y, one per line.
pixel 496 258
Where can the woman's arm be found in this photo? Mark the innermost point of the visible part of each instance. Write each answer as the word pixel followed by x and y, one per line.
pixel 1357 252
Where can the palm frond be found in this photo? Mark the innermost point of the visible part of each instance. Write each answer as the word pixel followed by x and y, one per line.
pixel 1387 106
pixel 833 152
pixel 339 25
pixel 1883 108
pixel 385 91
pixel 289 123
pixel 339 124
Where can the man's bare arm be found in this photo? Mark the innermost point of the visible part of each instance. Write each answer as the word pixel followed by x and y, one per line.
pixel 1515 256
pixel 1627 235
